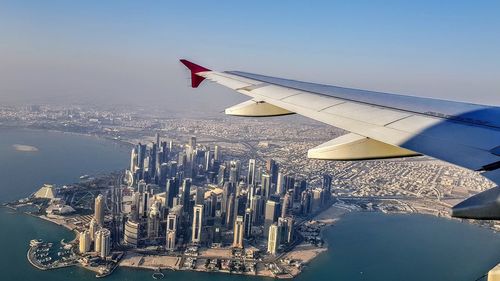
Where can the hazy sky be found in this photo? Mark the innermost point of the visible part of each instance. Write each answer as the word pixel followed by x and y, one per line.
pixel 127 52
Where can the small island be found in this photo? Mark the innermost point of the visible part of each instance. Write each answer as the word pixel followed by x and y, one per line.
pixel 24 148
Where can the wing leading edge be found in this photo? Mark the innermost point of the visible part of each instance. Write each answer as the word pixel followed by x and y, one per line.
pixel 385 125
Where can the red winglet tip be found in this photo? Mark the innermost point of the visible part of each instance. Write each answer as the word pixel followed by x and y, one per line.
pixel 194 68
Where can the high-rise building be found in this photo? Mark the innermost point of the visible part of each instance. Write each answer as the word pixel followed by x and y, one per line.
pixel 172 189
pixel 271 214
pixel 289 182
pixel 99 209
pixel 286 229
pixel 133 160
pixel 171 232
pixel 102 244
pixel 273 240
pixel 248 221
pixel 141 186
pixel 217 155
pixel 285 209
pixel 84 243
pixel 327 182
pixel 153 222
pixel 141 155
pixel 209 157
pixel 144 204
pixel 221 175
pixel 239 231
pixel 306 202
pixel 93 228
pixel 170 145
pixel 197 223
pixel 186 193
pixel 266 186
pixel 251 172
pixel 327 186
pixel 272 170
pixel 257 206
pixel 234 171
pixel 192 142
pixel 317 199
pixel 230 211
pixel 199 196
pixel 131 233
pixel 280 184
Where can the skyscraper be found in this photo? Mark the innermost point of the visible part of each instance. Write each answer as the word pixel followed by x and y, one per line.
pixel 197 223
pixel 317 199
pixel 199 196
pixel 327 186
pixel 93 228
pixel 172 189
pixel 239 230
pixel 271 214
pixel 306 202
pixel 217 155
pixel 272 170
pixel 234 171
pixel 133 160
pixel 186 193
pixel 84 242
pixel 131 233
pixel 286 205
pixel 230 211
pixel 257 206
pixel 248 221
pixel 103 242
pixel 99 210
pixel 286 229
pixel 192 142
pixel 251 172
pixel 266 186
pixel 273 240
pixel 141 155
pixel 153 222
pixel 280 184
pixel 171 232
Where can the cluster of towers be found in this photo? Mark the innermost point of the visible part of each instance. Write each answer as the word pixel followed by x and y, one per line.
pixel 96 235
pixel 181 195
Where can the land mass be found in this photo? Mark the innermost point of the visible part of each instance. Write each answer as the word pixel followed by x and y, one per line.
pixel 24 148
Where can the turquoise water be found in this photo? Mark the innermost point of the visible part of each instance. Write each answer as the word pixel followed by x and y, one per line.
pixel 362 246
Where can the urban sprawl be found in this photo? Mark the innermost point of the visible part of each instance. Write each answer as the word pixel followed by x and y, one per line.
pixel 228 195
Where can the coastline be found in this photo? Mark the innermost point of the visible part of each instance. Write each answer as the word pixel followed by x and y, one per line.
pixel 62 224
pixel 302 253
pixel 124 142
pixel 305 253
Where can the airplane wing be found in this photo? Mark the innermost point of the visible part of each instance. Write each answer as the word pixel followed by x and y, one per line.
pixel 382 125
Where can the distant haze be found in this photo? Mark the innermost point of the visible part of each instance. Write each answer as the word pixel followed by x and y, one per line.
pixel 126 52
